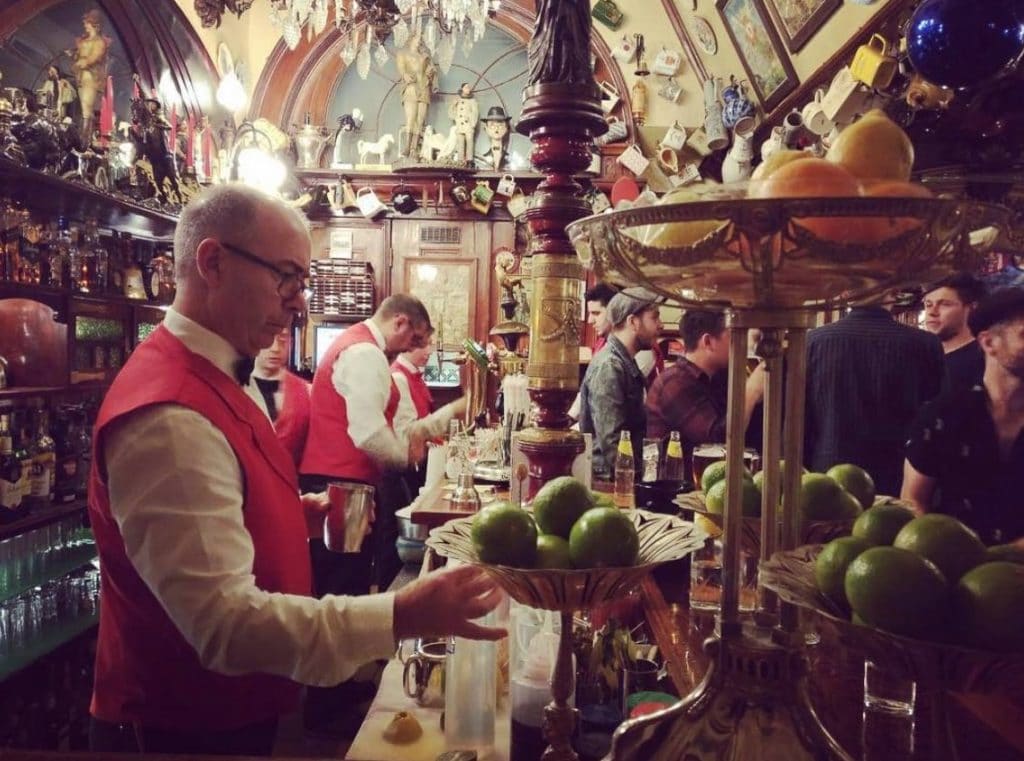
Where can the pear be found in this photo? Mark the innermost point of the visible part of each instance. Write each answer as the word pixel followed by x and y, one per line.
pixel 874 148
pixel 669 234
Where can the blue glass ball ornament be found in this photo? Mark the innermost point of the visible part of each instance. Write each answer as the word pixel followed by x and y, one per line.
pixel 963 43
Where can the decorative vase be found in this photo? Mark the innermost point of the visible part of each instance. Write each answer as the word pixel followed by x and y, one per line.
pixel 775 142
pixel 961 43
pixel 736 103
pixel 738 165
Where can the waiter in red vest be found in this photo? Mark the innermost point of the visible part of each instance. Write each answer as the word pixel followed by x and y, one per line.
pixel 283 393
pixel 207 628
pixel 416 404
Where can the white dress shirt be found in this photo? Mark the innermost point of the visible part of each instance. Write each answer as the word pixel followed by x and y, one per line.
pixel 362 377
pixel 176 495
pixel 435 424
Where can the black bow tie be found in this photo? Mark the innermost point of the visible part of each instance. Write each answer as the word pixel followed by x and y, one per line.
pixel 243 369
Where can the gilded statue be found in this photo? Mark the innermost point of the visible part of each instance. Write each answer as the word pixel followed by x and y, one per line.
pixel 90 68
pixel 419 83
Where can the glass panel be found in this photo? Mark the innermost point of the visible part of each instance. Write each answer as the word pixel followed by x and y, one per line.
pixel 98 329
pixel 144 329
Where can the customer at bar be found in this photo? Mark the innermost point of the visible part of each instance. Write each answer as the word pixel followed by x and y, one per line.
pixel 612 394
pixel 284 394
pixel 689 397
pixel 597 298
pixel 966 453
pixel 947 308
pixel 206 623
pixel 867 377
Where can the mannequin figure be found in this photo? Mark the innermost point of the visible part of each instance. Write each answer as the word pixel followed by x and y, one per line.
pixel 497 129
pixel 419 83
pixel 465 112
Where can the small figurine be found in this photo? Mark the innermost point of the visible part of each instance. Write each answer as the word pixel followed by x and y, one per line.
pixel 498 131
pixel 57 95
pixel 90 66
pixel 419 83
pixel 465 112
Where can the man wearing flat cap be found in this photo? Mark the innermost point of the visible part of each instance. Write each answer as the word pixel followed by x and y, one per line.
pixel 965 456
pixel 612 394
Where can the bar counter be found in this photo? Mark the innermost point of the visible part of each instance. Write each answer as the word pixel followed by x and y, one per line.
pixel 985 727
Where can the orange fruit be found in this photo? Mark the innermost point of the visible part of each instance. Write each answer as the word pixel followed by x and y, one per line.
pixel 879 525
pixel 603 537
pixel 890 227
pixel 559 503
pixel 811 178
pixel 552 552
pixel 898 591
pixel 831 564
pixel 945 541
pixel 504 534
pixel 776 161
pixel 988 602
pixel 855 480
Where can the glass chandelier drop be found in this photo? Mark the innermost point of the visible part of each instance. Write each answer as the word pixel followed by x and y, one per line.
pixel 443 23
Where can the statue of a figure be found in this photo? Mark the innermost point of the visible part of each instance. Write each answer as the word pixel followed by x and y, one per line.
pixel 419 83
pixel 56 94
pixel 559 49
pixel 497 129
pixel 90 68
pixel 464 111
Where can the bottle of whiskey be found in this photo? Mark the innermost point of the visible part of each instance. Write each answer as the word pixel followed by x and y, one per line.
pixel 59 256
pixel 68 465
pixel 10 474
pixel 44 458
pixel 20 435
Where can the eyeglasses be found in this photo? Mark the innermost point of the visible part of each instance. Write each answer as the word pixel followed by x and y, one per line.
pixel 290 282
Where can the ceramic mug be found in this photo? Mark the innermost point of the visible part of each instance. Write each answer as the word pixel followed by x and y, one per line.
pixel 814 115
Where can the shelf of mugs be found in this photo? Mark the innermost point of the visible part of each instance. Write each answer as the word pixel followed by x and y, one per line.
pixel 43 555
pixel 52 195
pixel 36 623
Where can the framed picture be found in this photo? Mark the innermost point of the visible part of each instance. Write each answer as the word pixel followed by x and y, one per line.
pixel 799 20
pixel 760 50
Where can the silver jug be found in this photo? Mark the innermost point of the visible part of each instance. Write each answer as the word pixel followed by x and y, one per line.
pixel 423 676
pixel 349 515
pixel 309 143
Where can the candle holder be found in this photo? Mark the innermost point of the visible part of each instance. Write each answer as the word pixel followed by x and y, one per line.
pixel 663 538
pixel 769 263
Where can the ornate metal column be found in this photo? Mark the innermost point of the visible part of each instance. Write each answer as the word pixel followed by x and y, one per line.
pixel 561 116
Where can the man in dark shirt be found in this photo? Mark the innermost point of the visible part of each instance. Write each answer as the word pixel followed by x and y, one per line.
pixel 947 307
pixel 686 397
pixel 867 377
pixel 597 299
pixel 612 394
pixel 965 456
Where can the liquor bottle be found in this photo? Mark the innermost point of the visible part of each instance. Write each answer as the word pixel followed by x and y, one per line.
pixel 134 286
pixel 67 469
pixel 83 446
pixel 43 453
pixel 673 468
pixel 20 435
pixel 625 473
pixel 10 474
pixel 59 255
pixel 115 277
pixel 86 269
pixel 33 267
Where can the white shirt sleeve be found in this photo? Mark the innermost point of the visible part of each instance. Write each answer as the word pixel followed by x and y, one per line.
pixel 176 495
pixel 361 375
pixel 645 361
pixel 405 415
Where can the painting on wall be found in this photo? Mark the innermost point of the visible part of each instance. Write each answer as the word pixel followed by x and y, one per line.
pixel 799 20
pixel 760 50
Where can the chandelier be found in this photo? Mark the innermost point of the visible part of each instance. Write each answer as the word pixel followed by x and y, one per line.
pixel 441 25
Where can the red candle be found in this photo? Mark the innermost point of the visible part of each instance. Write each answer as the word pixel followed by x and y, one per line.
pixel 107 111
pixel 190 136
pixel 173 137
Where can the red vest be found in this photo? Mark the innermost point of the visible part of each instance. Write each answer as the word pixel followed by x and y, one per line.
pixel 330 450
pixel 146 672
pixel 292 422
pixel 418 389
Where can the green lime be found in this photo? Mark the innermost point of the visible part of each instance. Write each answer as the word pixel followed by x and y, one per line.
pixel 880 524
pixel 552 552
pixel 831 564
pixel 559 504
pixel 603 537
pixel 945 541
pixel 504 534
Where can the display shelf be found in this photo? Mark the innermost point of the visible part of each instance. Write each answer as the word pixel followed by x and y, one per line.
pixel 58 298
pixel 42 517
pixel 27 392
pixel 49 194
pixel 76 558
pixel 45 642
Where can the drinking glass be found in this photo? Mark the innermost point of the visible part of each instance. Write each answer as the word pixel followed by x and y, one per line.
pixel 888 693
pixel 651 459
pixel 706 578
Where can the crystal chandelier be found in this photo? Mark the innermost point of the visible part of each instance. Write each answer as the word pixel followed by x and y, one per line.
pixel 440 23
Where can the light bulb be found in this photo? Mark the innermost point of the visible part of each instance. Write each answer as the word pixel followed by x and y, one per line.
pixel 231 94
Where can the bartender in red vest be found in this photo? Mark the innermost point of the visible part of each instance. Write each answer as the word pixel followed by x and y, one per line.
pixel 284 394
pixel 416 405
pixel 207 627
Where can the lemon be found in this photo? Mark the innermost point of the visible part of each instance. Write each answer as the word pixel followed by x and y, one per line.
pixel 874 148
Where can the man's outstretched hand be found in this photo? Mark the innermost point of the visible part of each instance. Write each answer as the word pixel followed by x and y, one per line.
pixel 445 602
